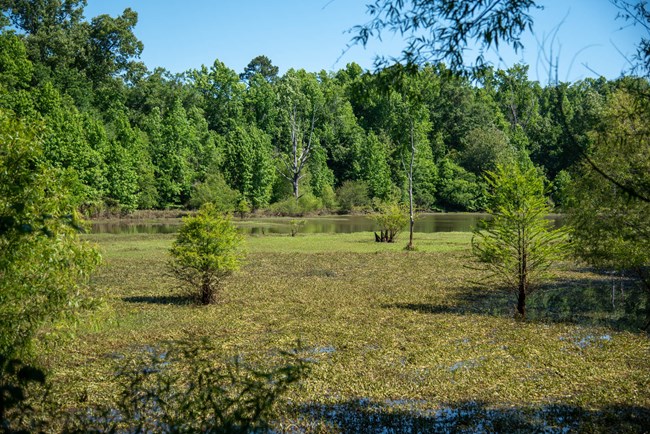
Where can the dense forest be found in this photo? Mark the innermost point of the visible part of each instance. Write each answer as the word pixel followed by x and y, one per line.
pixel 130 138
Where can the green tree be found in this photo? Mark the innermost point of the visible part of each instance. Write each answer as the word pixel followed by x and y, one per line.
pixel 301 101
pixel 611 226
pixel 484 148
pixel 124 145
pixel 208 248
pixel 438 31
pixel 248 164
pixel 222 94
pixel 43 264
pixel 214 190
pixel 517 246
pixel 262 66
pixel 374 168
pixel 352 195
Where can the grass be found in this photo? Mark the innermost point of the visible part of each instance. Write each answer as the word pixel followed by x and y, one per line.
pixel 397 339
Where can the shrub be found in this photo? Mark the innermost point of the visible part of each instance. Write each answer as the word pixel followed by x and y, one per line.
pixel 214 190
pixel 306 204
pixel 391 219
pixel 208 248
pixel 352 195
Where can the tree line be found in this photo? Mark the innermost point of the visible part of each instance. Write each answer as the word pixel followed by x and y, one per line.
pixel 131 138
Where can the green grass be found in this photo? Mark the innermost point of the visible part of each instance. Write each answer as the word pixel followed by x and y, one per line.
pixel 397 338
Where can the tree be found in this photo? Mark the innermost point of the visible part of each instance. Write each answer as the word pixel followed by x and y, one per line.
pixel 214 190
pixel 301 100
pixel 222 93
pixel 517 246
pixel 208 249
pixel 262 66
pixel 611 226
pixel 248 164
pixel 43 264
pixel 440 30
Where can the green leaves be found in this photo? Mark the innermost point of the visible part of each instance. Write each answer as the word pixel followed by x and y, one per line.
pixel 42 263
pixel 517 247
pixel 208 248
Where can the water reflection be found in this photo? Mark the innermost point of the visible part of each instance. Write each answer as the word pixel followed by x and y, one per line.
pixel 439 222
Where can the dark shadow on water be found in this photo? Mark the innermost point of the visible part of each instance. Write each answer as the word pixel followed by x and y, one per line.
pixel 156 299
pixel 408 416
pixel 584 301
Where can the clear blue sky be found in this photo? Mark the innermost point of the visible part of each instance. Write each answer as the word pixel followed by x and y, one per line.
pixel 311 34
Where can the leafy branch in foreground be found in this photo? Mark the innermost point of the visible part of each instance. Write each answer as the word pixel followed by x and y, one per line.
pixel 517 246
pixel 185 388
pixel 441 30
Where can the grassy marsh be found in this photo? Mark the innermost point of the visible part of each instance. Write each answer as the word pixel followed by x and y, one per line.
pixel 398 339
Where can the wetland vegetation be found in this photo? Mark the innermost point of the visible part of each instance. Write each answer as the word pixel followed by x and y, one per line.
pixel 328 324
pixel 393 338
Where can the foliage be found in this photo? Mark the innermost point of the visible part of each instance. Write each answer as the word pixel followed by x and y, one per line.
pixel 184 387
pixel 517 246
pixel 296 225
pixel 437 31
pixel 458 189
pixel 306 204
pixel 611 227
pixel 206 250
pixel 352 195
pixel 214 190
pixel 248 164
pixel 131 138
pixel 391 219
pixel 42 262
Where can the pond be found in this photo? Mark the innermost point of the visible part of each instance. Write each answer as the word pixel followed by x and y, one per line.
pixel 434 222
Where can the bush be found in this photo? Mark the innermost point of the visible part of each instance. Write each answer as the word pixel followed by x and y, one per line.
pixel 208 248
pixel 352 195
pixel 214 190
pixel 306 204
pixel 391 220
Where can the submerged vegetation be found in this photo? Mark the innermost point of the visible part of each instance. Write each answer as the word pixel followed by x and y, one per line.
pixel 392 338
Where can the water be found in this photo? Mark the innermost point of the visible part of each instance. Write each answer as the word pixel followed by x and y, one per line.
pixel 439 222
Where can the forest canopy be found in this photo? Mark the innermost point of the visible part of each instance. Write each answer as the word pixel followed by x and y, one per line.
pixel 133 138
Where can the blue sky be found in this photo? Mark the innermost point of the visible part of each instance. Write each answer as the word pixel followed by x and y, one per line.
pixel 311 34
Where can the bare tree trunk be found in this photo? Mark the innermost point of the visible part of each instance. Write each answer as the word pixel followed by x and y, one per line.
pixel 300 153
pixel 410 176
pixel 296 183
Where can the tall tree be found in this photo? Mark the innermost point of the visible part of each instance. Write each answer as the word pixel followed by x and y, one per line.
pixel 248 164
pixel 222 93
pixel 301 102
pixel 612 226
pixel 262 66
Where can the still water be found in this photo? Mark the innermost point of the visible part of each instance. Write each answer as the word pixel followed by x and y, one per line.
pixel 438 222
